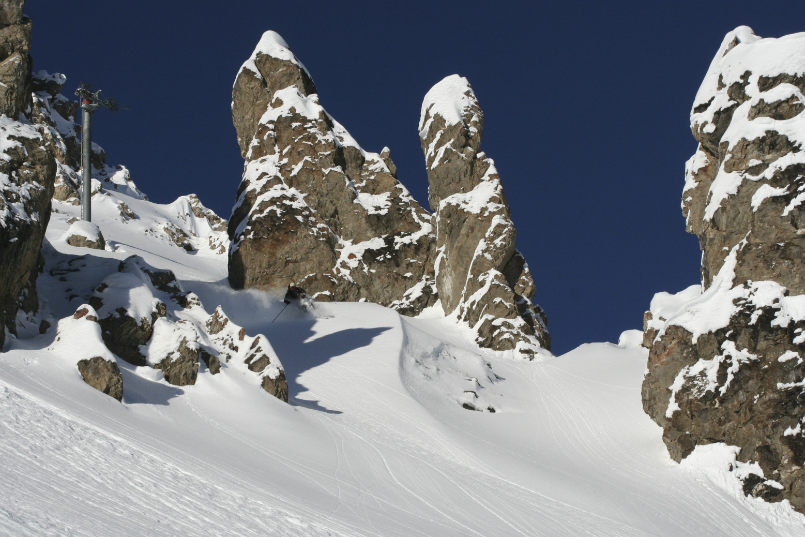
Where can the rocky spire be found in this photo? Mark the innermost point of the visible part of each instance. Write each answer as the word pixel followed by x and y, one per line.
pixel 313 207
pixel 480 275
pixel 727 360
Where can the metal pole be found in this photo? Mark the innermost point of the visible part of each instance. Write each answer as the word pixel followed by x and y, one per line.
pixel 86 147
pixel 280 313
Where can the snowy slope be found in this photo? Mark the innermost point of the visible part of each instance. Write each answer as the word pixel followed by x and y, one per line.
pixel 374 440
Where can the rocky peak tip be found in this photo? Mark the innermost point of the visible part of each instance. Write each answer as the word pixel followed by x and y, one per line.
pixel 741 34
pixel 452 98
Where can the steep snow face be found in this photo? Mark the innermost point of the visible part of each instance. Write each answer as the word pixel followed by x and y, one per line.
pixel 314 208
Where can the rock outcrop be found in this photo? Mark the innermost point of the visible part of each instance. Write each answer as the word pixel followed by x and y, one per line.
pixel 148 319
pixel 85 234
pixel 27 170
pixel 313 207
pixel 103 375
pixel 727 360
pixel 78 340
pixel 317 210
pixel 479 273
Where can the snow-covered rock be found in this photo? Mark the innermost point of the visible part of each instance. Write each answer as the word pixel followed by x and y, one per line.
pixel 27 172
pixel 317 210
pixel 480 276
pixel 86 235
pixel 313 207
pixel 78 339
pixel 726 358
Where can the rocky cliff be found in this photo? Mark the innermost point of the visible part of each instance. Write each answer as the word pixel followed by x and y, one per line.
pixel 479 273
pixel 27 171
pixel 316 209
pixel 726 360
pixel 313 207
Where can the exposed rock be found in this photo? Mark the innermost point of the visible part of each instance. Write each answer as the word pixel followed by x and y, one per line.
pixel 78 339
pixel 479 274
pixel 85 234
pixel 103 375
pixel 180 367
pixel 11 12
pixel 149 320
pixel 256 352
pixel 313 207
pixel 27 171
pixel 317 210
pixel 15 59
pixel 727 361
pixel 126 326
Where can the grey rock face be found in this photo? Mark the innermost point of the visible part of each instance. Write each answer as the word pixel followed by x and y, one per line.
pixel 102 375
pixel 729 365
pixel 479 273
pixel 27 171
pixel 313 207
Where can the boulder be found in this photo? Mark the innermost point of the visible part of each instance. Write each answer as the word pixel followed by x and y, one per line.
pixel 103 375
pixel 727 359
pixel 85 234
pixel 480 276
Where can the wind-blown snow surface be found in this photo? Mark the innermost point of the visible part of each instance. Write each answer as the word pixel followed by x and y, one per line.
pixel 373 442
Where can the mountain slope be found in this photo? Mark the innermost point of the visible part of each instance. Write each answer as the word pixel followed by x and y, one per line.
pixel 374 440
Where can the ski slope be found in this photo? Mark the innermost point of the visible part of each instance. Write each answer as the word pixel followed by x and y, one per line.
pixel 374 440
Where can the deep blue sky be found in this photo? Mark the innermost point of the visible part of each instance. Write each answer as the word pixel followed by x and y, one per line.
pixel 586 107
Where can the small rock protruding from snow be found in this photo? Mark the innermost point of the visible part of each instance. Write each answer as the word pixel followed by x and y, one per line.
pixel 85 234
pixel 78 338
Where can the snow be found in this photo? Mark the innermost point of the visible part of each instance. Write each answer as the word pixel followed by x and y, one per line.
pixel 271 44
pixel 374 203
pixel 374 441
pixel 82 228
pixel 480 198
pixel 630 339
pixel 450 98
pixel 764 192
pixel 13 208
